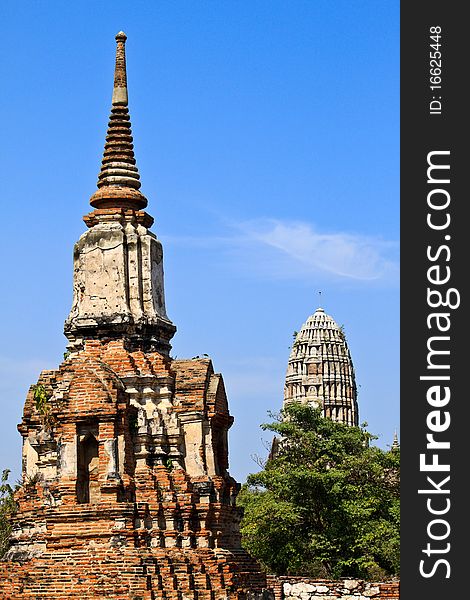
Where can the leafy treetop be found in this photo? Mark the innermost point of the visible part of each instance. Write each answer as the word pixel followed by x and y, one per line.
pixel 327 504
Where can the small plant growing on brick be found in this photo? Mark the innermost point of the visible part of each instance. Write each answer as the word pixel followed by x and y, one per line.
pixel 42 401
pixel 30 481
pixel 342 333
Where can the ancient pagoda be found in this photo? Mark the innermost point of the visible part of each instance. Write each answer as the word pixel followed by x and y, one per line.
pixel 125 487
pixel 320 370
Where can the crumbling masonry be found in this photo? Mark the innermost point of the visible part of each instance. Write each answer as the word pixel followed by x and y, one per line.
pixel 126 492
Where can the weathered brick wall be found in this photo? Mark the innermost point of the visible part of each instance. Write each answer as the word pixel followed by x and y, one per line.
pixel 301 588
pixel 133 574
pixel 154 526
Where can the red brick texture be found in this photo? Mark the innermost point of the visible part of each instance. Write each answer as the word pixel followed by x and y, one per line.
pixel 136 523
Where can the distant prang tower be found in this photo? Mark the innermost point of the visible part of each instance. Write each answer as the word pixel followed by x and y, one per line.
pixel 320 370
pixel 125 488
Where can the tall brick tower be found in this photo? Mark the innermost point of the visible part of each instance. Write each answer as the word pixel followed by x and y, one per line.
pixel 126 492
pixel 320 371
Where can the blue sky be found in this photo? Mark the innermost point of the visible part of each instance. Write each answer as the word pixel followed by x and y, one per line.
pixel 267 139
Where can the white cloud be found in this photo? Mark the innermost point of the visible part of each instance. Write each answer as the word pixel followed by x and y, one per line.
pixel 339 254
pixel 289 249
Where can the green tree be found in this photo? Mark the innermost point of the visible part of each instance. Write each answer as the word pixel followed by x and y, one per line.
pixel 327 505
pixel 7 508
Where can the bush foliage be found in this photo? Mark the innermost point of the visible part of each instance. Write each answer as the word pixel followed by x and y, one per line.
pixel 7 508
pixel 327 504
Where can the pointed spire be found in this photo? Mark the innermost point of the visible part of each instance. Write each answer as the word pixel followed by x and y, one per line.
pixel 395 444
pixel 119 179
pixel 120 73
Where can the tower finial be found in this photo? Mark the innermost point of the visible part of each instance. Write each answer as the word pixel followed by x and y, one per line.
pixel 319 292
pixel 119 179
pixel 395 444
pixel 120 74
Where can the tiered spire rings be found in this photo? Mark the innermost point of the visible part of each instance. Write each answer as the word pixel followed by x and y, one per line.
pixel 119 179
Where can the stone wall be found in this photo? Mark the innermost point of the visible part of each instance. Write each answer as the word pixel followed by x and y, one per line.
pixel 301 588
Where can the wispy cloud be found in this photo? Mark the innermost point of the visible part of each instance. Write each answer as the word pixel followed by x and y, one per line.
pixel 292 249
pixel 340 254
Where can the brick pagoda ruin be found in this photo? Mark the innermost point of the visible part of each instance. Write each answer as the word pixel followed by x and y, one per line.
pixel 125 486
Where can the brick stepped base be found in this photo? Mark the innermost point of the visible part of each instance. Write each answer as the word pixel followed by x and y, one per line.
pixel 133 575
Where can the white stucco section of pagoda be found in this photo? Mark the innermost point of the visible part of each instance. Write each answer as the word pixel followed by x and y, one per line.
pixel 320 371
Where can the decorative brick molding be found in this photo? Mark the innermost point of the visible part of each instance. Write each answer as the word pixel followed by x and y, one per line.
pixel 156 512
